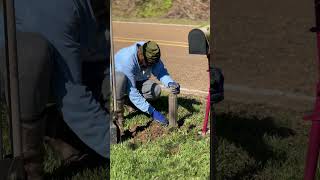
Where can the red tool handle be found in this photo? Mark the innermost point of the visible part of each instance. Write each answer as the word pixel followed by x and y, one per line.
pixel 314 136
pixel 208 105
pixel 313 151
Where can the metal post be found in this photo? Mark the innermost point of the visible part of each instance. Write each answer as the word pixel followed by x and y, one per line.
pixel 113 63
pixel 173 110
pixel 113 128
pixel 12 68
pixel 12 168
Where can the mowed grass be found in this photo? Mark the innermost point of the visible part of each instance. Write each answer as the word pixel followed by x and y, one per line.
pixel 255 141
pixel 156 152
pixel 260 142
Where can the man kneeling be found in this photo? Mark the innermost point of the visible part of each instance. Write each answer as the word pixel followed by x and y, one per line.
pixel 134 66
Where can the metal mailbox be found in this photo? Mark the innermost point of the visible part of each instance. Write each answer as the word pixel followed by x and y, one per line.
pixel 199 40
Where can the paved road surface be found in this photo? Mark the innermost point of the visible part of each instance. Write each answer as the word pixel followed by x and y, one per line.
pixel 265 51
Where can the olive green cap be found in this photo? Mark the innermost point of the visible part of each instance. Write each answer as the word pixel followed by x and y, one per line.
pixel 151 52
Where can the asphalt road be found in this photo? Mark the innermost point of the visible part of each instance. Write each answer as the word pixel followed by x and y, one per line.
pixel 265 50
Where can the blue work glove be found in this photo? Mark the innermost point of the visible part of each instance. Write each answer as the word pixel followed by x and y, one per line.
pixel 157 116
pixel 175 87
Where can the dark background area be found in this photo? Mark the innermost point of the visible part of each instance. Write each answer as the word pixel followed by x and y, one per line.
pixel 267 44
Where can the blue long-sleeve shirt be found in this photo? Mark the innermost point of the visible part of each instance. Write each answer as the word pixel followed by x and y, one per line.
pixel 126 61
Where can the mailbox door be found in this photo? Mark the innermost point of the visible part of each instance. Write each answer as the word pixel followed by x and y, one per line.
pixel 198 43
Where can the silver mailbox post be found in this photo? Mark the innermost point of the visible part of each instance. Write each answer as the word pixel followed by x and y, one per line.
pixel 12 168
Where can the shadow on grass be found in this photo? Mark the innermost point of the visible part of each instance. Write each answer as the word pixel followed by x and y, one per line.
pixel 248 133
pixel 161 104
pixel 187 103
pixel 70 170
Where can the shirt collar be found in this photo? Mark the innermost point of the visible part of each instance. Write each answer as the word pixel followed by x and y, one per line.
pixel 136 54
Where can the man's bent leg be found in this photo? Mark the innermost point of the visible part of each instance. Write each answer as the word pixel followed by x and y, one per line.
pixel 121 88
pixel 106 98
pixel 61 138
pixel 34 65
pixel 55 136
pixel 35 77
pixel 32 133
pixel 150 90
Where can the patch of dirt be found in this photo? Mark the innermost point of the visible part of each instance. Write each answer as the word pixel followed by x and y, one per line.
pixel 190 9
pixel 124 7
pixel 151 133
pixel 186 9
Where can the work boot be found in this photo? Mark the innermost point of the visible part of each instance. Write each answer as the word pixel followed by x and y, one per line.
pixel 55 134
pixel 67 153
pixel 120 116
pixel 33 150
pixel 129 106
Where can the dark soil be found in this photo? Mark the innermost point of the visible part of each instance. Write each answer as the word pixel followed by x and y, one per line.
pixel 153 132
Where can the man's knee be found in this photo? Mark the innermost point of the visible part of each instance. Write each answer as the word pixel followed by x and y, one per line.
pixel 151 90
pixel 34 51
pixel 156 91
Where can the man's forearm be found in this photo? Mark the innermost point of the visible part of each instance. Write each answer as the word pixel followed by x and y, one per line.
pixel 139 101
pixel 165 80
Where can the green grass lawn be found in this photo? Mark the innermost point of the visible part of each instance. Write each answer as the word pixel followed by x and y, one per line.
pixel 155 152
pixel 260 142
pixel 255 141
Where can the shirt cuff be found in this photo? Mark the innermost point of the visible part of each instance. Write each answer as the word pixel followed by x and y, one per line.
pixel 151 109
pixel 165 80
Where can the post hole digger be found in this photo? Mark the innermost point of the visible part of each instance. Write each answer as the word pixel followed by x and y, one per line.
pixel 114 128
pixel 12 167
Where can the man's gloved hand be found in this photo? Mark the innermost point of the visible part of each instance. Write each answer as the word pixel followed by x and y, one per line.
pixel 157 116
pixel 175 87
